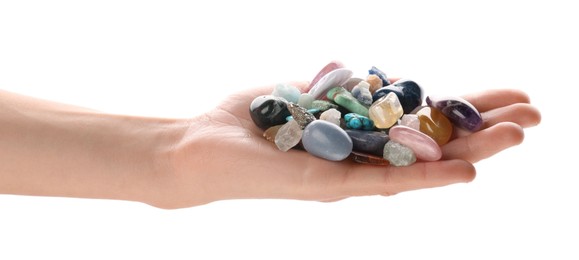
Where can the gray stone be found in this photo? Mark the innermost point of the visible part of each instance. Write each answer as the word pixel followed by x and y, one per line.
pixel 398 154
pixel 326 140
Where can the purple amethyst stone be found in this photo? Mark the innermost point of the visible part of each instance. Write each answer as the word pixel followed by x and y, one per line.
pixel 459 111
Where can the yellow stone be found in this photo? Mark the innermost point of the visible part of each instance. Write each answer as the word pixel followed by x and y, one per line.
pixel 386 111
pixel 375 82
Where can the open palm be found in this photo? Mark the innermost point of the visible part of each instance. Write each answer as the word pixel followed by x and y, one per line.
pixel 224 156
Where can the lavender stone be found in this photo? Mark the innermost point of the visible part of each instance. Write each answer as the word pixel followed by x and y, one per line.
pixel 459 111
pixel 326 140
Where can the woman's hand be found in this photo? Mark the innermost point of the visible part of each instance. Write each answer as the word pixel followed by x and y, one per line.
pixel 223 155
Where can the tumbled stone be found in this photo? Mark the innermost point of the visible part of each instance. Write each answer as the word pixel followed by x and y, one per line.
pixel 326 140
pixel 325 70
pixel 345 99
pixel 435 124
pixel 409 94
pixel 351 83
pixel 323 105
pixel 386 111
pixel 375 83
pixel 267 111
pixel 271 132
pixel 305 100
pixel 331 115
pixel 398 154
pixel 368 159
pixel 355 121
pixel 287 92
pixel 410 120
pixel 362 93
pixel 459 111
pixel 300 115
pixel 288 136
pixel 369 142
pixel 333 79
pixel 424 147
pixel 380 74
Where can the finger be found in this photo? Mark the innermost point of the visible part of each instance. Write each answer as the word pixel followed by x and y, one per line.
pixel 491 99
pixel 484 143
pixel 364 180
pixel 524 115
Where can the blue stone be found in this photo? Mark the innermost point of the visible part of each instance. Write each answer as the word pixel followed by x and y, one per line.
pixel 380 74
pixel 355 121
pixel 368 141
pixel 267 111
pixel 409 94
pixel 459 111
pixel 326 140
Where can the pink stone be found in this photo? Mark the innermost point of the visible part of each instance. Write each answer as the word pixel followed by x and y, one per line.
pixel 334 78
pixel 329 67
pixel 424 146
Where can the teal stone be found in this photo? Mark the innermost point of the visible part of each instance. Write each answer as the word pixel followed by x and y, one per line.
pixel 326 140
pixel 359 122
pixel 345 99
pixel 287 92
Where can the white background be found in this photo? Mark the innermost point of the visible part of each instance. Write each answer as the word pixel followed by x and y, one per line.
pixel 179 58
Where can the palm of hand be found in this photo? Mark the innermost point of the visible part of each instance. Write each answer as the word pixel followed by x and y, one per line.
pixel 237 162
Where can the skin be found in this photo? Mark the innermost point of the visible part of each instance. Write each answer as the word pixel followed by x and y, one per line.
pixel 52 149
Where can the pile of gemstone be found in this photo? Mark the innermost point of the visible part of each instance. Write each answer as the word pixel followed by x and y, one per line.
pixel 371 120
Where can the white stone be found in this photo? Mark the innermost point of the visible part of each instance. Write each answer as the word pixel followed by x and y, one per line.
pixel 288 136
pixel 331 115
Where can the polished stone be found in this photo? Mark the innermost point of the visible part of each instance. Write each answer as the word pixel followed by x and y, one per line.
pixel 271 132
pixel 355 121
pixel 369 142
pixel 331 115
pixel 351 83
pixel 325 70
pixel 362 93
pixel 386 111
pixel 301 115
pixel 424 147
pixel 435 124
pixel 368 159
pixel 380 74
pixel 398 154
pixel 409 93
pixel 333 79
pixel 410 120
pixel 287 92
pixel 326 140
pixel 305 100
pixel 267 111
pixel 345 99
pixel 288 136
pixel 375 83
pixel 459 111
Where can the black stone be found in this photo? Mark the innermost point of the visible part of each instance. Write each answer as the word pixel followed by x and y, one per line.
pixel 409 94
pixel 369 142
pixel 267 111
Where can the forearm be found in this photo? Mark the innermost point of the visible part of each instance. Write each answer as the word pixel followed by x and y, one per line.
pixel 52 149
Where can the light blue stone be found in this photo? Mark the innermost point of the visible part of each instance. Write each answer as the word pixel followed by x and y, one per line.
pixel 288 92
pixel 306 100
pixel 326 140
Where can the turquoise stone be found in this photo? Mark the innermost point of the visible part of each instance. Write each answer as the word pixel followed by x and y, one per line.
pixel 345 99
pixel 355 121
pixel 326 140
pixel 369 142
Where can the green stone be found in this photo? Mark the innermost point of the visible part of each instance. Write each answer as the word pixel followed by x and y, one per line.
pixel 345 99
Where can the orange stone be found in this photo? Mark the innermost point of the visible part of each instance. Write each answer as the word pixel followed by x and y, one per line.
pixel 375 82
pixel 434 124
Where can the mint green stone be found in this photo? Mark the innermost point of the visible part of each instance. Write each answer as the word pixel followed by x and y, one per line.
pixel 342 97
